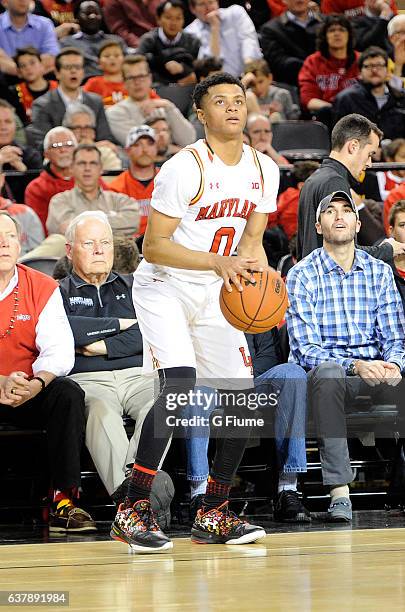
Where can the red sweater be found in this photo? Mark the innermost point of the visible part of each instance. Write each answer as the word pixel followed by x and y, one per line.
pixel 351 8
pixel 394 196
pixel 40 191
pixel 323 78
pixel 18 350
pixel 286 214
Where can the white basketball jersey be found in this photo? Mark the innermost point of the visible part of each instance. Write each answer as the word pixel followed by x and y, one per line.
pixel 213 201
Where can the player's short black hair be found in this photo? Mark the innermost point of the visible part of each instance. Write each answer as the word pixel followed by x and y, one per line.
pixel 216 79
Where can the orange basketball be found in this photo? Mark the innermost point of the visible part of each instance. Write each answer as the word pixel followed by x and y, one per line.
pixel 259 307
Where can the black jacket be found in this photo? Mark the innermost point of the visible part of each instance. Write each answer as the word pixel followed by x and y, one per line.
pixel 359 99
pixel 185 51
pixel 15 185
pixel 264 350
pixel 285 46
pixel 93 315
pixel 370 31
pixel 331 176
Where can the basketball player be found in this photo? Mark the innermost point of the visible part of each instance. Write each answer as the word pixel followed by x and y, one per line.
pixel 211 198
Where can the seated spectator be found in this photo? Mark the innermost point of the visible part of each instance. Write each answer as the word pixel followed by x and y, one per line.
pixel 286 215
pixel 389 179
pixel 108 344
pixel 226 33
pixel 397 231
pixel 143 101
pixel 121 210
pixel 126 255
pixel 275 102
pixel 13 157
pixel 370 28
pixel 353 350
pixel 90 37
pixel 287 40
pixel 169 50
pixel 138 180
pixel 61 13
pixel 31 231
pixel 20 28
pixel 165 148
pixel 373 97
pixel 48 110
pixel 33 85
pixel 351 8
pixel 261 135
pixel 81 119
pixel 130 19
pixel 59 144
pixel 36 353
pixel 394 196
pixel 110 86
pixel 330 70
pixel 396 35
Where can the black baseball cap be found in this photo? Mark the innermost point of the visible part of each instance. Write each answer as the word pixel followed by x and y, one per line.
pixel 332 197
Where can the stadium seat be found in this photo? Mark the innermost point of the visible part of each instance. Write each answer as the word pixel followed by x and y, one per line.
pixel 43 264
pixel 180 95
pixel 301 139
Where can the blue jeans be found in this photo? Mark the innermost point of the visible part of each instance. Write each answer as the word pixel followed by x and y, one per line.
pixel 289 381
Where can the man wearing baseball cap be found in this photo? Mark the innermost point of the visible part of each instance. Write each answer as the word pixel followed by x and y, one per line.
pixel 138 180
pixel 346 327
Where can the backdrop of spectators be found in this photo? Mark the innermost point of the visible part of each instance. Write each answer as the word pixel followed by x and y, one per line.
pixel 15 157
pixel 388 180
pixel 121 210
pixel 287 40
pixel 394 196
pixel 36 353
pixel 126 255
pixel 397 231
pixel 131 18
pixel 228 34
pixel 90 36
pixel 373 97
pixel 207 66
pixel 260 133
pixel 33 85
pixel 138 180
pixel 351 8
pixel 48 110
pixel 110 86
pixel 143 101
pixel 286 215
pixel 108 344
pixel 330 69
pixel 165 147
pixel 169 50
pixel 59 144
pixel 20 28
pixel 31 230
pixel 396 35
pixel 275 102
pixel 81 119
pixel 370 28
pixel 61 13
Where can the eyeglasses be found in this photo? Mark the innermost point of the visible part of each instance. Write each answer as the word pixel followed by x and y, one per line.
pixel 139 77
pixel 82 127
pixel 59 145
pixel 71 67
pixel 378 66
pixel 89 245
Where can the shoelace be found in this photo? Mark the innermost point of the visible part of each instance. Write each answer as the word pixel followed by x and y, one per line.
pixel 146 516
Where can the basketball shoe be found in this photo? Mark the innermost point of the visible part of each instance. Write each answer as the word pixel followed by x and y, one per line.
pixel 221 526
pixel 136 525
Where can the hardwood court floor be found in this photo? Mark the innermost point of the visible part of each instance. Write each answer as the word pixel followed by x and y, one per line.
pixel 361 570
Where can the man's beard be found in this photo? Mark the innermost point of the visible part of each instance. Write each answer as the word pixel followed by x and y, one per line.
pixel 336 240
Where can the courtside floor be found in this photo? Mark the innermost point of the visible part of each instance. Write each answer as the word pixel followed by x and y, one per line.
pixel 311 569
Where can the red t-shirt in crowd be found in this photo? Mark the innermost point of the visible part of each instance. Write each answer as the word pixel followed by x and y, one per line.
pixel 110 92
pixel 350 8
pixel 286 214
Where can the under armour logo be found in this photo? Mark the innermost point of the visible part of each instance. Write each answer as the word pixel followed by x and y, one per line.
pixel 120 296
pixel 214 185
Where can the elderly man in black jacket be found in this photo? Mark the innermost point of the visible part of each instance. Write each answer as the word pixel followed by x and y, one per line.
pixel 373 97
pixel 108 346
pixel 355 139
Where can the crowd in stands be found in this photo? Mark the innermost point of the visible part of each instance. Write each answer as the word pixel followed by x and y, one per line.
pixel 95 97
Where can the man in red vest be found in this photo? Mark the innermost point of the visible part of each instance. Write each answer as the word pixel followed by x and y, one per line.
pixel 36 354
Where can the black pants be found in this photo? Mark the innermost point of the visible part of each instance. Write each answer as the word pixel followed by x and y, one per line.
pixel 59 409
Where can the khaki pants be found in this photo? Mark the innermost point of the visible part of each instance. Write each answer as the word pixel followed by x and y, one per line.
pixel 109 396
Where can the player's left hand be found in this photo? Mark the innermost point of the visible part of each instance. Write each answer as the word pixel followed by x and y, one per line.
pixel 230 268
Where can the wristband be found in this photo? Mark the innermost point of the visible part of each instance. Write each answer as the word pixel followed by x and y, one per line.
pixel 41 380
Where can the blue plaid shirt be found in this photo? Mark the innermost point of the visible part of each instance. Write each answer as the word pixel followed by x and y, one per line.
pixel 340 316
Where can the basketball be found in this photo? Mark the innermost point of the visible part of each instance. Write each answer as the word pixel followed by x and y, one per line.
pixel 259 307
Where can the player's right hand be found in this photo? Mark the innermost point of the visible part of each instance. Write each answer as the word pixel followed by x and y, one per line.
pixel 230 268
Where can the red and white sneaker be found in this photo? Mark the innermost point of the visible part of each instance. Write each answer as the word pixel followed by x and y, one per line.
pixel 221 526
